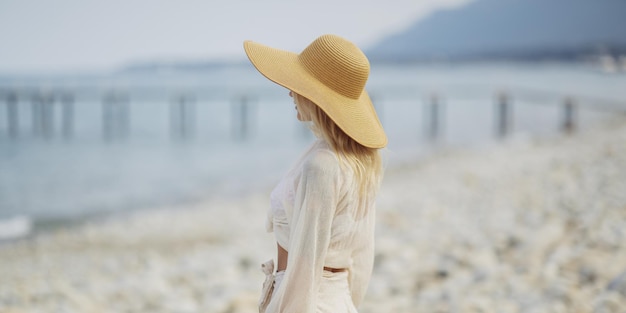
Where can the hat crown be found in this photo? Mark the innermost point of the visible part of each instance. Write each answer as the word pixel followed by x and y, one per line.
pixel 338 64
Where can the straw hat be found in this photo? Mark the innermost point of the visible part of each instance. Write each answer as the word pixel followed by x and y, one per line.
pixel 332 73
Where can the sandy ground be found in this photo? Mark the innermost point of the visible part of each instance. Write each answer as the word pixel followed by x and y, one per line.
pixel 529 225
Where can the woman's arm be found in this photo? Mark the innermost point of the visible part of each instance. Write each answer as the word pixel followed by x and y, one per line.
pixel 310 231
pixel 360 270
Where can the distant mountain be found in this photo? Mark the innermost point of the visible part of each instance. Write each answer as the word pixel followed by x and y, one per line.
pixel 511 29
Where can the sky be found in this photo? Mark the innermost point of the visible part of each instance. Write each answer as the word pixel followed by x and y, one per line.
pixel 89 35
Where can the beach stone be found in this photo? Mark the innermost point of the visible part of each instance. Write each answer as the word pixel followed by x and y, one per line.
pixel 618 284
pixel 611 302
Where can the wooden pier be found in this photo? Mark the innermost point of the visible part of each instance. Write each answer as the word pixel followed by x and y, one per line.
pixel 53 113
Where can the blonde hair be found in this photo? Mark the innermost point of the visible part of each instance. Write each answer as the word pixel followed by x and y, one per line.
pixel 365 162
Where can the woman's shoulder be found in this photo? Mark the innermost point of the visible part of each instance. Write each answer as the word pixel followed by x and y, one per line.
pixel 321 159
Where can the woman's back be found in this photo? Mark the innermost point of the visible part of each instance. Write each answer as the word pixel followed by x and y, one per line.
pixel 329 226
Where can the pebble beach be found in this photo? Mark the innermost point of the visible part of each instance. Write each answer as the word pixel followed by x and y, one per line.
pixel 528 225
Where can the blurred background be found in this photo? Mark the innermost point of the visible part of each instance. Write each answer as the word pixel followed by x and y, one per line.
pixel 109 107
pixel 113 108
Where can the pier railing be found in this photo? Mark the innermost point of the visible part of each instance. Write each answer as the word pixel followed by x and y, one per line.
pixel 49 107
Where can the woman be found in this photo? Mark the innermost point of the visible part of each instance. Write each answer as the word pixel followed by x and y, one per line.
pixel 322 211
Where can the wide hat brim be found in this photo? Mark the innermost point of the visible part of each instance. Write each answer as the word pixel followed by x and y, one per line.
pixel 356 117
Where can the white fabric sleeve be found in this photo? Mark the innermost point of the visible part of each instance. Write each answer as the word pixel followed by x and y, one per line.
pixel 311 222
pixel 360 270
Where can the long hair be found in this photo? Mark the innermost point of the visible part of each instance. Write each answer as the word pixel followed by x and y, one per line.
pixel 365 162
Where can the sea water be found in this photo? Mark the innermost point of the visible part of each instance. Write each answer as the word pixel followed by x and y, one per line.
pixel 61 177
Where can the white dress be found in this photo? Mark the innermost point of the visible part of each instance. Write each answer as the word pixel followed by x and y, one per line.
pixel 317 216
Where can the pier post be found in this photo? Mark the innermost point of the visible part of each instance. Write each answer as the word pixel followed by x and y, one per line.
pixel 12 115
pixel 124 115
pixel 240 118
pixel 36 111
pixel 503 113
pixel 107 117
pixel 67 103
pixel 433 118
pixel 47 116
pixel 569 115
pixel 115 116
pixel 182 117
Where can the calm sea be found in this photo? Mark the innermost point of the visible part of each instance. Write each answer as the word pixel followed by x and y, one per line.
pixel 147 150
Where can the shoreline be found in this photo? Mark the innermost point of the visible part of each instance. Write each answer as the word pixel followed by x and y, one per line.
pixel 528 224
